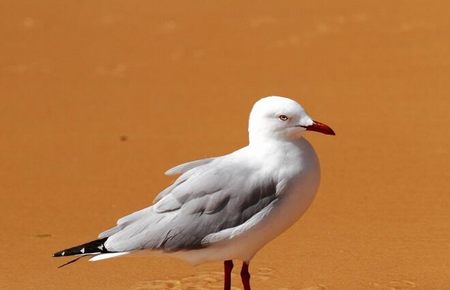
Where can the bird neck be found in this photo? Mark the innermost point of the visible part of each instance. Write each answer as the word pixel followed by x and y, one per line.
pixel 257 137
pixel 273 143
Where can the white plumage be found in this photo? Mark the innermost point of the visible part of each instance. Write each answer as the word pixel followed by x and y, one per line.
pixel 228 207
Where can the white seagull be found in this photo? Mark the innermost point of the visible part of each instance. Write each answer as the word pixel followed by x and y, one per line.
pixel 226 207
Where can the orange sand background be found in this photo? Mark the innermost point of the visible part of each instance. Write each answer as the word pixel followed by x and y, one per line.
pixel 99 98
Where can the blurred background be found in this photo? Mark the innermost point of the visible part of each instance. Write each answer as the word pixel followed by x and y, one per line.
pixel 99 98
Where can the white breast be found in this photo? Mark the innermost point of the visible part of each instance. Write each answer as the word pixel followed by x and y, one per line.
pixel 301 169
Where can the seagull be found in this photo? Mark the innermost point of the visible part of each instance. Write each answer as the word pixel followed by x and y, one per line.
pixel 227 207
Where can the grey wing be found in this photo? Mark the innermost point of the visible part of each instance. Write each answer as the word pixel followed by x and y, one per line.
pixel 182 168
pixel 191 214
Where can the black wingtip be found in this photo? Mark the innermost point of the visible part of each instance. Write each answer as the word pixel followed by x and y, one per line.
pixel 58 254
pixel 96 246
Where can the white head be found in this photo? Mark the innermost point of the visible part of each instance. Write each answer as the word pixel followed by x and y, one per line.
pixel 281 118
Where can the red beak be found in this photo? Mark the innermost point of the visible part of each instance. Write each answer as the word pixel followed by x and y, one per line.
pixel 320 127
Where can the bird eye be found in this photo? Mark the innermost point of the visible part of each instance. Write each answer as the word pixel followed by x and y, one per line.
pixel 283 117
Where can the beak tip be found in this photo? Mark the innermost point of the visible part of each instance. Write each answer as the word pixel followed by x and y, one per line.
pixel 322 128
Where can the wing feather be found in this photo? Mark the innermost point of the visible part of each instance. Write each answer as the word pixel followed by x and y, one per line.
pixel 206 204
pixel 182 168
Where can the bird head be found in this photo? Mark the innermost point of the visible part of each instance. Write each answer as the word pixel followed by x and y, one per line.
pixel 281 118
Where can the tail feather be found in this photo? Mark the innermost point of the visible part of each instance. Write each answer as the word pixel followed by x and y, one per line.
pixel 93 247
pixel 107 256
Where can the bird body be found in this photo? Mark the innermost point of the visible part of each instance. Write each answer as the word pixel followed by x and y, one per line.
pixel 227 207
pixel 296 188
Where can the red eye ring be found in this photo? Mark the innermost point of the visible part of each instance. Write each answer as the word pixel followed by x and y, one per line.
pixel 283 118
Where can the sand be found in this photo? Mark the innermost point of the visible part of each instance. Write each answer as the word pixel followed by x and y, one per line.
pixel 99 98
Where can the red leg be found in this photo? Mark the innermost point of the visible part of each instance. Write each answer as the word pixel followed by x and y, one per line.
pixel 228 266
pixel 245 276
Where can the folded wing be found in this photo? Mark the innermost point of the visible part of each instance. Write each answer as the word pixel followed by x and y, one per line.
pixel 206 204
